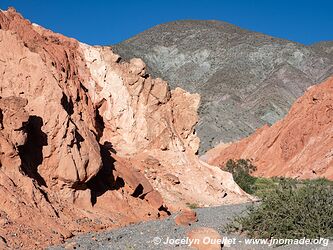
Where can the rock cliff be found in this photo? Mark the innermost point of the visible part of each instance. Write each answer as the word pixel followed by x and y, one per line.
pixel 88 142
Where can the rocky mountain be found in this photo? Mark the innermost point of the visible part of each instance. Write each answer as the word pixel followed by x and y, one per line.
pixel 324 47
pixel 299 146
pixel 245 79
pixel 89 143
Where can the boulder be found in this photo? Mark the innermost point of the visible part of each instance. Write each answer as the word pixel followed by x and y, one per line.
pixel 205 238
pixel 186 218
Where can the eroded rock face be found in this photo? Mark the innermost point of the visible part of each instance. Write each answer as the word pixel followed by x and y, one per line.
pixel 53 169
pixel 299 146
pixel 89 143
pixel 153 128
pixel 139 112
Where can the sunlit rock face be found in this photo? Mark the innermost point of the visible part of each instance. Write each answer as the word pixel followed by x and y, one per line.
pixel 88 142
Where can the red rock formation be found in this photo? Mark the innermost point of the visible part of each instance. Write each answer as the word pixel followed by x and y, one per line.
pixel 300 145
pixel 186 217
pixel 51 169
pixel 88 143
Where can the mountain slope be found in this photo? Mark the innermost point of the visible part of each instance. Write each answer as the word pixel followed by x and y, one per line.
pixel 299 146
pixel 246 79
pixel 324 47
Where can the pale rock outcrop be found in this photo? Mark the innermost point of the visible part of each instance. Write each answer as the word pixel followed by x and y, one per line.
pixel 143 120
pixel 139 112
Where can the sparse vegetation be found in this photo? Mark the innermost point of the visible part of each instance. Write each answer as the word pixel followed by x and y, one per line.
pixel 264 186
pixel 289 209
pixel 192 205
pixel 241 170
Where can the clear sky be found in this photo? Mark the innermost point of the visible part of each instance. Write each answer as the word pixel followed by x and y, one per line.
pixel 108 22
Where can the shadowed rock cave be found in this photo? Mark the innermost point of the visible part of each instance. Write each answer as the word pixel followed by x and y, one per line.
pixel 105 179
pixel 67 104
pixel 31 153
pixel 1 118
pixel 138 192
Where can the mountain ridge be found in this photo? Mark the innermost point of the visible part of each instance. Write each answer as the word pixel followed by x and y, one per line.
pixel 226 65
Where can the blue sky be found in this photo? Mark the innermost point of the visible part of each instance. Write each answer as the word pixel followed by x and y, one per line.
pixel 109 22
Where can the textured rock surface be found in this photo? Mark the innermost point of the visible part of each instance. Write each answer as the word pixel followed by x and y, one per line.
pixel 205 238
pixel 246 79
pixel 186 217
pixel 88 143
pixel 53 170
pixel 324 47
pixel 299 146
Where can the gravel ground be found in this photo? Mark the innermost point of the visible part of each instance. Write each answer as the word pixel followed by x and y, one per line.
pixel 146 235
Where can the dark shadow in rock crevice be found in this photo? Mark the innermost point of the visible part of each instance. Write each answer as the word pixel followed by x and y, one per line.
pixel 105 179
pixel 164 209
pixel 67 104
pixel 99 124
pixel 1 119
pixel 31 153
pixel 78 139
pixel 138 191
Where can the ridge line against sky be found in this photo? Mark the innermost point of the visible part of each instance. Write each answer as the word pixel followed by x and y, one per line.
pixel 109 22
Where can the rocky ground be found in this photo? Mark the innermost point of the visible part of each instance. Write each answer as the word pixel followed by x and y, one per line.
pixel 154 234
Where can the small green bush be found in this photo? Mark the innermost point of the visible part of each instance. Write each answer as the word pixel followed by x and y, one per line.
pixel 241 170
pixel 192 205
pixel 294 209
